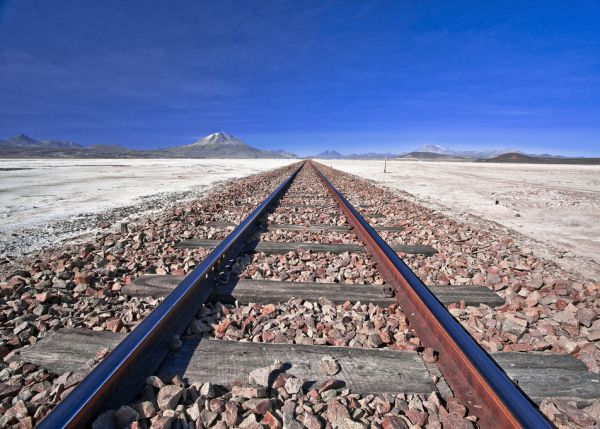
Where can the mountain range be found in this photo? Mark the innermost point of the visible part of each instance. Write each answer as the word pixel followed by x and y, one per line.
pixel 430 152
pixel 216 145
pixel 332 154
pixel 520 158
pixel 222 145
pixel 484 154
pixel 21 140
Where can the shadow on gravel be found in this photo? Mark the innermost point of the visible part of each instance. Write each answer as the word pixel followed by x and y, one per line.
pixel 178 361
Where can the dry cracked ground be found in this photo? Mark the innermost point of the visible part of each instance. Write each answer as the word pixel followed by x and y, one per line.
pixel 79 285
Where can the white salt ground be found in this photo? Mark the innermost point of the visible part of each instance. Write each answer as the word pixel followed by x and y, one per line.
pixel 43 201
pixel 555 209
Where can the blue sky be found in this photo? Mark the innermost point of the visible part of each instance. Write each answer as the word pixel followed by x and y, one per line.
pixel 305 76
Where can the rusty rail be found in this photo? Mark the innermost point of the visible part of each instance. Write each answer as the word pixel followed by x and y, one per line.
pixel 472 373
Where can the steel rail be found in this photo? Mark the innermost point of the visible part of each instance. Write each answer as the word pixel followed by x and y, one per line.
pixel 114 381
pixel 472 373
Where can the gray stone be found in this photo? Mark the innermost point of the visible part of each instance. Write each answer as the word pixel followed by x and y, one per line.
pixel 145 409
pixel 208 390
pixel 293 385
pixel 348 423
pixel 265 376
pixel 329 366
pixel 105 420
pixel 586 316
pixel 512 327
pixel 125 416
pixel 168 397
pixel 208 417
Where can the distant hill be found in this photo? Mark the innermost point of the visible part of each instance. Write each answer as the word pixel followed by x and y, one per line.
pixel 513 157
pixel 332 154
pixel 371 155
pixel 328 154
pixel 23 141
pixel 433 148
pixel 477 154
pixel 217 145
pixel 528 159
pixel 284 154
pixel 428 151
pixel 431 156
pixel 439 153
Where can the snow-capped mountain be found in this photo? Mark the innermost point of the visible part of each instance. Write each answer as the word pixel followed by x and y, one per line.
pixel 218 139
pixel 61 144
pixel 477 154
pixel 332 154
pixel 434 148
pixel 222 145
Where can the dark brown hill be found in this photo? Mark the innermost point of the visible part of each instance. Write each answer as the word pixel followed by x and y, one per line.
pixel 519 158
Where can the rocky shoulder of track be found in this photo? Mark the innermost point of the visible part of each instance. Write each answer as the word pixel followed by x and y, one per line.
pixel 79 286
pixel 547 308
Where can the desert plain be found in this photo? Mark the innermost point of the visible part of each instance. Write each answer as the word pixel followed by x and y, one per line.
pixel 43 201
pixel 554 209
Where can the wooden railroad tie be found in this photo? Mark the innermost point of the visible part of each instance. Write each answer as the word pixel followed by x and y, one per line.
pixel 364 371
pixel 305 228
pixel 273 292
pixel 277 248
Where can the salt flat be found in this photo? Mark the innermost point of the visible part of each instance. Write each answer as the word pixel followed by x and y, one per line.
pixel 44 200
pixel 557 207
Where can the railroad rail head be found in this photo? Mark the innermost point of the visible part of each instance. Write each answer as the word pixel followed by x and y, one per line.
pixel 472 373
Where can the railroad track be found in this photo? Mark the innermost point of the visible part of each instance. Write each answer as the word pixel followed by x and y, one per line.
pixel 432 353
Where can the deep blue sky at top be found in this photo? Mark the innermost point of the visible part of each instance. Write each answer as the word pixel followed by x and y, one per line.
pixel 305 76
